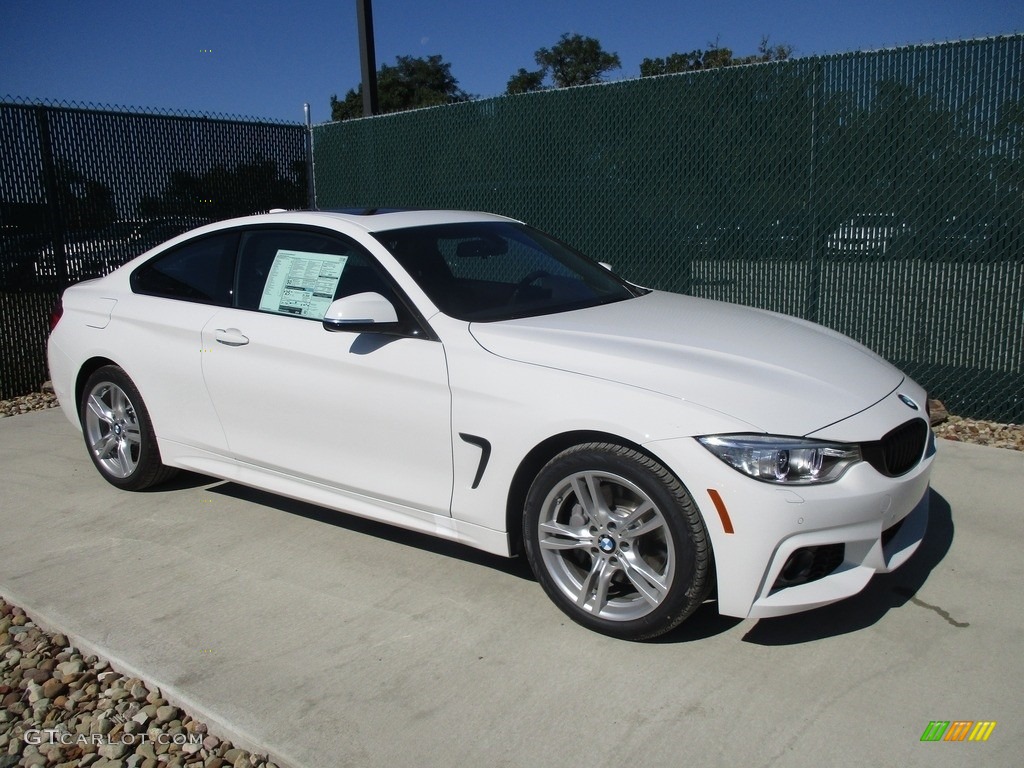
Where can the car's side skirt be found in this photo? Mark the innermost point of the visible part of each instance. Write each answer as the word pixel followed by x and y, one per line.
pixel 478 537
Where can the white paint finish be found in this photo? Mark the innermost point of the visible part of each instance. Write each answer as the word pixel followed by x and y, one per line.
pixel 366 414
pixel 785 377
pixel 156 341
pixel 768 526
pixel 370 423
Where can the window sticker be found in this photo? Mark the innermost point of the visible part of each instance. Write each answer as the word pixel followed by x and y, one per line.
pixel 302 283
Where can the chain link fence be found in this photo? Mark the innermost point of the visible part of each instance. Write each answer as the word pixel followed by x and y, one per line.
pixel 85 189
pixel 880 194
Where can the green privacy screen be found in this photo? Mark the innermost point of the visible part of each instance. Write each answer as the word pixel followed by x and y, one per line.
pixel 880 194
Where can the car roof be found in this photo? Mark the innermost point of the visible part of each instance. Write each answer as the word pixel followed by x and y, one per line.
pixel 370 220
pixel 379 219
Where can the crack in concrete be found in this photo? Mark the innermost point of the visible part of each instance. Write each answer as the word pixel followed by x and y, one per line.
pixel 943 613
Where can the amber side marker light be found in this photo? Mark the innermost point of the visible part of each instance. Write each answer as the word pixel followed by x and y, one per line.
pixel 722 511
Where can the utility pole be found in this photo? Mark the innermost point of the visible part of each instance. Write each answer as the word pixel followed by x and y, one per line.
pixel 367 56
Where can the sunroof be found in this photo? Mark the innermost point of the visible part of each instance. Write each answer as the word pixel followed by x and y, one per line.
pixel 367 211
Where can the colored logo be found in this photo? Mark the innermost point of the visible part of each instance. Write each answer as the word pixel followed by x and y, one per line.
pixel 907 401
pixel 958 730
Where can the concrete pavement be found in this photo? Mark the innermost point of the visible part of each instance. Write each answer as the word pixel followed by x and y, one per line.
pixel 326 640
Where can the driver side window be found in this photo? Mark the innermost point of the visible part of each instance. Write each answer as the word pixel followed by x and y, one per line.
pixel 299 272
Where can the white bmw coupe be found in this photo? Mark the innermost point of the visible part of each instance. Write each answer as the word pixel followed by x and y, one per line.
pixel 467 376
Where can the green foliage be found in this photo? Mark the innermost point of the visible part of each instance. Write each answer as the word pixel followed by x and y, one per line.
pixel 573 60
pixel 412 83
pixel 525 81
pixel 576 60
pixel 713 57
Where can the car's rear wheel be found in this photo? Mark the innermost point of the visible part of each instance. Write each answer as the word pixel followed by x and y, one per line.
pixel 118 431
pixel 616 541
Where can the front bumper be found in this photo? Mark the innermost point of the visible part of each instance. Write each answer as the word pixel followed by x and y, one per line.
pixel 780 550
pixel 866 551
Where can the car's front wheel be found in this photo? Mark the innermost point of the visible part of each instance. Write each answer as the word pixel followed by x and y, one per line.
pixel 616 541
pixel 118 431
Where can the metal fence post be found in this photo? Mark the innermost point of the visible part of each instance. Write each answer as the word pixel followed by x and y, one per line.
pixel 310 179
pixel 54 215
pixel 813 291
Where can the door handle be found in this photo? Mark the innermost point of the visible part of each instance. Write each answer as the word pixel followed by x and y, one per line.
pixel 231 337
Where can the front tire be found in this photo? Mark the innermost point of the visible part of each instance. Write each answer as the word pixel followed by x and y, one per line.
pixel 616 541
pixel 118 431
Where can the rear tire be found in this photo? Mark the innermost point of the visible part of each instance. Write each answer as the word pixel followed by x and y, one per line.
pixel 616 541
pixel 118 432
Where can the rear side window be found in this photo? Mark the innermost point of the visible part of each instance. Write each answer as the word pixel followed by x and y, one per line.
pixel 200 270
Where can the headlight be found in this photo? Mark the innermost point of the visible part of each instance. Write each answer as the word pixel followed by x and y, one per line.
pixel 786 460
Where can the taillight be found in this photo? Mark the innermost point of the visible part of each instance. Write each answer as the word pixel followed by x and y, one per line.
pixel 55 314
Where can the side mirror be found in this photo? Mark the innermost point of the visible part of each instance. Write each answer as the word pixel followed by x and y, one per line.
pixel 361 313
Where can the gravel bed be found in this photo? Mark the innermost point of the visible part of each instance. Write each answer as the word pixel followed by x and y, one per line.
pixel 58 708
pixel 991 433
pixel 37 401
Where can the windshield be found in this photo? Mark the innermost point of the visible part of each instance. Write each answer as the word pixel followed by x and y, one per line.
pixel 500 270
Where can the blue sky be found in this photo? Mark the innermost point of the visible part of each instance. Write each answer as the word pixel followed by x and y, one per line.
pixel 265 58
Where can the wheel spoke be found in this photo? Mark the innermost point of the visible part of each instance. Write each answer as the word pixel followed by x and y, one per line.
pixel 650 584
pixel 595 585
pixel 644 527
pixel 587 488
pixel 104 446
pixel 635 515
pixel 99 409
pixel 579 487
pixel 604 580
pixel 121 404
pixel 132 434
pixel 563 537
pixel 588 583
pixel 124 458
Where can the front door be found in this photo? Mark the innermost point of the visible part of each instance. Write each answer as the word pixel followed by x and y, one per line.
pixel 366 413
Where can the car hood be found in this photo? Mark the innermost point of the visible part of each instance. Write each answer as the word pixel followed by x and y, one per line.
pixel 779 374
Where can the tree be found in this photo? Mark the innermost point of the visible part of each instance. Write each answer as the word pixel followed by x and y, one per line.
pixel 715 56
pixel 412 83
pixel 676 62
pixel 573 60
pixel 524 81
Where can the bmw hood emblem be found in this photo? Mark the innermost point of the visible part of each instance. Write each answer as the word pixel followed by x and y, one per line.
pixel 908 402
